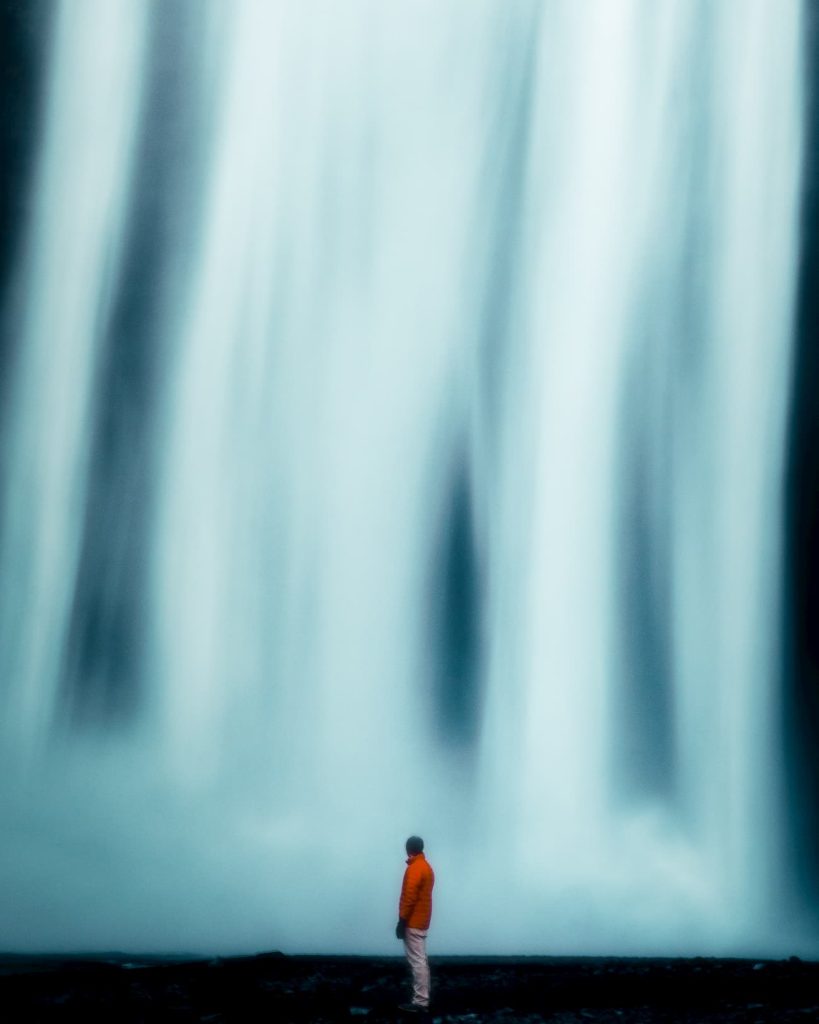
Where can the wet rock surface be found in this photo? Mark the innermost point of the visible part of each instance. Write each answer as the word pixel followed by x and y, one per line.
pixel 466 990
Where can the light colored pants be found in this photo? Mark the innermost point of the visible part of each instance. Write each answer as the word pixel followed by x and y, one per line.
pixel 415 947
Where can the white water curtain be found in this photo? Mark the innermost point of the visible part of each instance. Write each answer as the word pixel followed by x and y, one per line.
pixel 530 243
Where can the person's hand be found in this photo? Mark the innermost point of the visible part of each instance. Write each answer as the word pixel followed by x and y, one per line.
pixel 400 929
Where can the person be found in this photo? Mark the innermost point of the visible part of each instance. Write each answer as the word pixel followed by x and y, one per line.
pixel 414 916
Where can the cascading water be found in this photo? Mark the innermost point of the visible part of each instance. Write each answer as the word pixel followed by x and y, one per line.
pixel 393 440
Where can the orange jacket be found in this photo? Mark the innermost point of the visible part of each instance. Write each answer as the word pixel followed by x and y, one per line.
pixel 415 906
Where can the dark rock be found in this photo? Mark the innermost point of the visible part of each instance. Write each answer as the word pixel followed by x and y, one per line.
pixel 466 990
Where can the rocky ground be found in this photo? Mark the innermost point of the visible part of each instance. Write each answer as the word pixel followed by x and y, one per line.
pixel 274 987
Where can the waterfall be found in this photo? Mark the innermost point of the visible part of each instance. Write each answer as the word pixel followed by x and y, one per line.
pixel 393 442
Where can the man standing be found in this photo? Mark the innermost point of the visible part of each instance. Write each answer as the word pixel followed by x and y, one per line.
pixel 414 915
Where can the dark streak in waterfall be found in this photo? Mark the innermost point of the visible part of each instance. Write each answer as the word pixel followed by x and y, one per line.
pixel 800 845
pixel 25 31
pixel 457 619
pixel 103 665
pixel 643 759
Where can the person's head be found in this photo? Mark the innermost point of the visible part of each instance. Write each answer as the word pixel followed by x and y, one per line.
pixel 415 844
